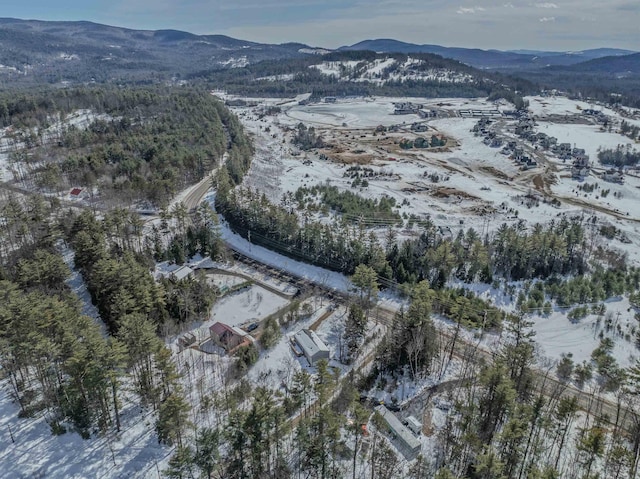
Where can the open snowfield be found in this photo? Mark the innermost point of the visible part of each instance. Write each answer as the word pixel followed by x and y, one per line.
pixel 356 113
pixel 589 137
pixel 560 105
pixel 557 335
pixel 483 188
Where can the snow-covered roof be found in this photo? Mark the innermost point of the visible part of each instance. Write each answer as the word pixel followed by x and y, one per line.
pixel 399 429
pixel 414 424
pixel 182 272
pixel 310 343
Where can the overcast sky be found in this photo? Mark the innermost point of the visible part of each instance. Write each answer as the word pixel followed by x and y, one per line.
pixel 508 24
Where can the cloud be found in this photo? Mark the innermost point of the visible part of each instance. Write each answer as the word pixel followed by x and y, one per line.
pixel 508 5
pixel 546 5
pixel 547 19
pixel 469 10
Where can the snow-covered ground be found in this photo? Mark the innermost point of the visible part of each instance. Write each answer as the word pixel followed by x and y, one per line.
pixel 481 178
pixel 12 139
pixel 245 306
pixel 36 453
pixel 78 286
pixel 278 364
pixel 471 169
pixel 589 137
pixel 560 105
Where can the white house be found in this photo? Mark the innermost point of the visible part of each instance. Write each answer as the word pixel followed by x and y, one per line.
pixel 312 346
pixel 402 438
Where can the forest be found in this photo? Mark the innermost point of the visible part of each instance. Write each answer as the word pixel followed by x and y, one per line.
pixel 506 418
pixel 141 145
pixel 619 157
pixel 250 80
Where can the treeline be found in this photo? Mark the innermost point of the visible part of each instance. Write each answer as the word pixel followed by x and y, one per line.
pixel 513 253
pixel 25 224
pixel 351 206
pixel 620 157
pixel 602 284
pixel 608 88
pixel 59 361
pixel 140 144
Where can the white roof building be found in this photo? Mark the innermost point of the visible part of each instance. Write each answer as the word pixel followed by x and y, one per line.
pixel 312 346
pixel 181 273
pixel 404 439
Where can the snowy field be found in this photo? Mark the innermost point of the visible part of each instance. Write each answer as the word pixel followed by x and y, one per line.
pixel 559 105
pixel 486 188
pixel 224 281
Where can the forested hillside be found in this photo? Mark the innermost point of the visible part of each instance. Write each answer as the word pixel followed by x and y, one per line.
pixel 295 76
pixel 124 145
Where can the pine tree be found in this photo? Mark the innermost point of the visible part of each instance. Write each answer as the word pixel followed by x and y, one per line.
pixel 207 452
pixel 180 464
pixel 354 329
pixel 173 415
pixel 366 280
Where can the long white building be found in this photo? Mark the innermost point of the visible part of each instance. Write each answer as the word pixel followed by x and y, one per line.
pixel 312 346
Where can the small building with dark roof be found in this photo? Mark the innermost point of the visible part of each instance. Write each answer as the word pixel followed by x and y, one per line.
pixel 228 337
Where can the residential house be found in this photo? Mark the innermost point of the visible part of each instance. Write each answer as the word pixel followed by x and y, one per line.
pixel 228 337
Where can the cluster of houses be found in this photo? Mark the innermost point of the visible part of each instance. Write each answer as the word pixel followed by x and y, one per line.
pixel 598 115
pixel 304 343
pixel 419 127
pixel 481 128
pixel 518 154
pixel 613 176
pixel 428 113
pixel 580 166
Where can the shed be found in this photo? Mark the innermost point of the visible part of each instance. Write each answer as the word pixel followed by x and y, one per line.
pixel 414 424
pixel 401 437
pixel 312 346
pixel 76 193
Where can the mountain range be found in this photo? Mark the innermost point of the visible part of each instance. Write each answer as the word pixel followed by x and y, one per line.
pixel 492 59
pixel 82 51
pixel 33 51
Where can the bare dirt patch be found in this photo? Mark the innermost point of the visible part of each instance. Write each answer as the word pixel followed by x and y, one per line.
pixel 447 192
pixel 497 173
